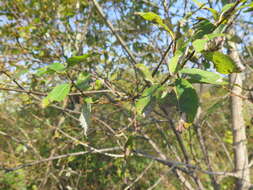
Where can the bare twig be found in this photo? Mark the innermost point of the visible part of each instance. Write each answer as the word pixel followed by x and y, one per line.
pixel 14 139
pixel 56 158
pixel 221 142
pixel 109 24
pixel 75 140
pixel 184 167
pixel 140 176
pixel 45 94
pixel 156 183
pixel 162 59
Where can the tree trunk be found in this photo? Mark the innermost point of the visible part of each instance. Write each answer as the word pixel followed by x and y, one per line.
pixel 238 127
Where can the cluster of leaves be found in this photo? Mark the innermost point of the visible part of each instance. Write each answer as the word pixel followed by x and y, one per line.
pixel 203 41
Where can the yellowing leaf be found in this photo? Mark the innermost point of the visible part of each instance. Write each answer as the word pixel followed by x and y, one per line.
pixel 45 102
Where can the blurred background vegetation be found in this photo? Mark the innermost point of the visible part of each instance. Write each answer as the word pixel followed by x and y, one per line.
pixel 35 34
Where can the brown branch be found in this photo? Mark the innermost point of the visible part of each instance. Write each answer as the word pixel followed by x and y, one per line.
pixel 184 167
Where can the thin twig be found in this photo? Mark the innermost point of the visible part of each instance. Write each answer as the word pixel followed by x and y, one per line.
pixel 184 167
pixel 228 13
pixel 14 139
pixel 95 150
pixel 109 24
pixel 156 183
pixel 140 176
pixel 13 79
pixel 45 94
pixel 221 142
pixel 56 158
pixel 162 59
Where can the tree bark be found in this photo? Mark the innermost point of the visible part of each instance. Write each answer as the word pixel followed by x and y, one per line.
pixel 238 127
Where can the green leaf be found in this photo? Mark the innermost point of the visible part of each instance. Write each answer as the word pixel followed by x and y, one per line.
pixel 57 94
pixel 56 67
pixel 98 84
pixel 83 81
pixel 19 72
pixel 220 29
pixel 200 44
pixel 234 38
pixel 222 63
pixel 226 10
pixel 77 59
pixel 199 4
pixel 248 10
pixel 42 71
pixel 147 97
pixel 150 16
pixel 227 7
pixel 114 76
pixel 201 76
pixel 88 100
pixel 145 72
pixel 224 2
pixel 250 5
pixel 50 69
pixel 213 11
pixel 202 28
pixel 173 63
pixel 142 103
pixel 213 35
pixel 187 98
